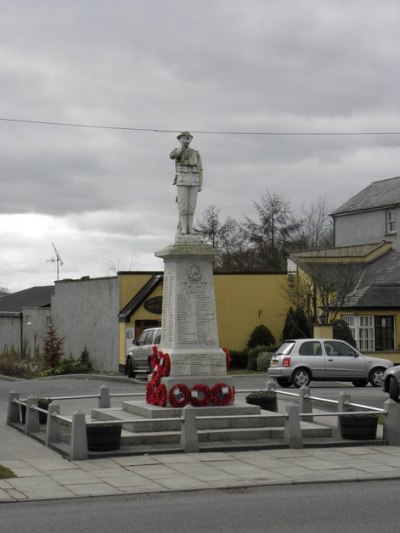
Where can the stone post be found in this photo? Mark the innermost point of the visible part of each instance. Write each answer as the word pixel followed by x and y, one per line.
pixel 305 403
pixel 344 398
pixel 79 447
pixel 13 411
pixel 32 424
pixel 104 398
pixel 292 434
pixel 53 427
pixel 391 425
pixel 189 437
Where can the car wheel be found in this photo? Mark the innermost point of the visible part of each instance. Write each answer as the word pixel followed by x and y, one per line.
pixel 393 389
pixel 301 377
pixel 283 382
pixel 375 376
pixel 130 371
pixel 360 382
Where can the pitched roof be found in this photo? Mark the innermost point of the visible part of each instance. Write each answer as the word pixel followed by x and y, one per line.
pixel 139 298
pixel 33 297
pixel 379 284
pixel 383 193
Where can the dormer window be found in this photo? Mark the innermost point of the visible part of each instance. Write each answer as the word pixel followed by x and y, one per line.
pixel 390 221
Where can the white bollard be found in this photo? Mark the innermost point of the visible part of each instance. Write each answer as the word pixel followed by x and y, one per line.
pixel 391 424
pixel 13 411
pixel 189 437
pixel 79 447
pixel 292 435
pixel 305 403
pixel 53 427
pixel 32 424
pixel 104 398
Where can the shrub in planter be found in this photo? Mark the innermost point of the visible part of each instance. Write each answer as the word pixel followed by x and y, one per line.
pixel 358 427
pixel 265 399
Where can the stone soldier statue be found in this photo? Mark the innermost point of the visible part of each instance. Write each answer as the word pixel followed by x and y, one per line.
pixel 188 179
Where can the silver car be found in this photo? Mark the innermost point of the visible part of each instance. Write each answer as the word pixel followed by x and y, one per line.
pixel 391 382
pixel 299 361
pixel 138 356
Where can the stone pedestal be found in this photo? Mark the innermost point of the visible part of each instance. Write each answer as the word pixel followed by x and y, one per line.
pixel 189 325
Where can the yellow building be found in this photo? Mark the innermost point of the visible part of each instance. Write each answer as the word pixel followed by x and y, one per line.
pixel 243 301
pixel 367 276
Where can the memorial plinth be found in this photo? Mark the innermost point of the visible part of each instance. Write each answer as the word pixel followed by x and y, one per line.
pixel 189 324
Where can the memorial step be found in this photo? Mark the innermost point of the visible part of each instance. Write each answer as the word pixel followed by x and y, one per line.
pixel 230 434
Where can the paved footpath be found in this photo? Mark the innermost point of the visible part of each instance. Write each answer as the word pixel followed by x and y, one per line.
pixel 43 474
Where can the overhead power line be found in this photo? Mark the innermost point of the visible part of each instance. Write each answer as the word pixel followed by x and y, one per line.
pixel 207 132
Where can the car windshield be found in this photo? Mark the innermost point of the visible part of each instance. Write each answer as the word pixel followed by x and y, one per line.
pixel 285 349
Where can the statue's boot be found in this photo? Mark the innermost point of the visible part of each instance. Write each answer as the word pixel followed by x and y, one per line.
pixel 184 224
pixel 190 224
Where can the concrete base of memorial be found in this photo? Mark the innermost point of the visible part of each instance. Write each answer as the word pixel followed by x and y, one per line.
pixel 189 327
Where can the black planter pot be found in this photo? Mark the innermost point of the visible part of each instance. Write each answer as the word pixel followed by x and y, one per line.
pixel 265 403
pixel 103 438
pixel 358 427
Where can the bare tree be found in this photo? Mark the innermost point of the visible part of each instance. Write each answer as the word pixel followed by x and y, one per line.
pixel 112 267
pixel 315 229
pixel 4 291
pixel 321 289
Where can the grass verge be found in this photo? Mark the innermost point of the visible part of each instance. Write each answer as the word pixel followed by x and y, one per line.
pixel 6 472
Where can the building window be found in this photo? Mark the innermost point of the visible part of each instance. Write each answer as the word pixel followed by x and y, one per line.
pixel 384 333
pixel 366 333
pixel 390 221
pixel 372 333
pixel 28 320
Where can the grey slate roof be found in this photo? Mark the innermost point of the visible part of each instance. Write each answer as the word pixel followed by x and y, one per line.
pixel 33 297
pixel 379 284
pixel 383 193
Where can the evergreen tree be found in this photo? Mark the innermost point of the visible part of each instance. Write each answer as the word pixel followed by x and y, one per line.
pixel 296 325
pixel 53 348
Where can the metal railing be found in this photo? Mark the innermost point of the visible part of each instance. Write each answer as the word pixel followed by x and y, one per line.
pixel 302 408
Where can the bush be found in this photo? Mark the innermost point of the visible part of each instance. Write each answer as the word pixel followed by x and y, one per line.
pixel 238 359
pixel 342 331
pixel 261 336
pixel 69 365
pixel 253 356
pixel 12 363
pixel 296 325
pixel 263 361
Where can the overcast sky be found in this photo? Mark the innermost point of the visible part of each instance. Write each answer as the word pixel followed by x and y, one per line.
pixel 105 196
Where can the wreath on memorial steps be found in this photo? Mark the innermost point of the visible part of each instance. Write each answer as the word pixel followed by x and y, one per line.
pixel 151 389
pixel 222 394
pixel 161 395
pixel 164 365
pixel 179 395
pixel 160 362
pixel 200 395
pixel 154 358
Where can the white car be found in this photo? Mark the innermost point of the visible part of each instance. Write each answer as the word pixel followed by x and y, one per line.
pixel 299 361
pixel 138 357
